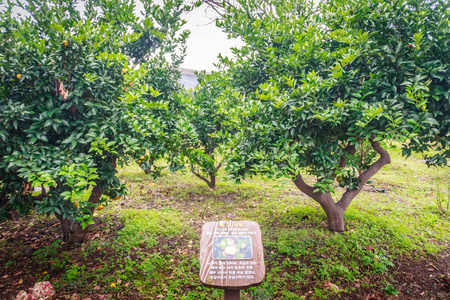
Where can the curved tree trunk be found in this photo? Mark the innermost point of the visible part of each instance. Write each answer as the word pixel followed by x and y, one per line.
pixel 335 215
pixel 335 211
pixel 212 176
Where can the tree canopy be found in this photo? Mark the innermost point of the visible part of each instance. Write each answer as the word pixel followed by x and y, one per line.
pixel 329 86
pixel 71 83
pixel 202 133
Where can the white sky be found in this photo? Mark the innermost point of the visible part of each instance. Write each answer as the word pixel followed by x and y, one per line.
pixel 205 42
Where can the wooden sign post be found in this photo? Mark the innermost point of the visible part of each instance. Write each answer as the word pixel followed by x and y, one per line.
pixel 231 256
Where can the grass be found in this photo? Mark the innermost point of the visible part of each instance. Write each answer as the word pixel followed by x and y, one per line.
pixel 395 221
pixel 396 218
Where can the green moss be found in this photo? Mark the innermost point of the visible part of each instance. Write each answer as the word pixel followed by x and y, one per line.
pixel 144 227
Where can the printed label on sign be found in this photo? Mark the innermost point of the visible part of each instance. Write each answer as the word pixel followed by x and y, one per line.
pixel 232 247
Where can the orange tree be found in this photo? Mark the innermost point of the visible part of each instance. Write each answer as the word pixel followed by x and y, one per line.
pixel 330 84
pixel 164 99
pixel 74 84
pixel 201 135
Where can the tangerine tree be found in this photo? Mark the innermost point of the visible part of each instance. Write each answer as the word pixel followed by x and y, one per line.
pixel 202 133
pixel 165 102
pixel 73 83
pixel 328 86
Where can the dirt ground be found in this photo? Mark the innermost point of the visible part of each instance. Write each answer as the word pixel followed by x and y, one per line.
pixel 20 268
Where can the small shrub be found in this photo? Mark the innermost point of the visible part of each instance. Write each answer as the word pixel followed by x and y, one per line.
pixel 48 251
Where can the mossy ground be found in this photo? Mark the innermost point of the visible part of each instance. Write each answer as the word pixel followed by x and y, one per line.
pixel 146 245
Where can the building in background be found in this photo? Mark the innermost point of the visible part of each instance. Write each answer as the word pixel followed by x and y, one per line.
pixel 188 78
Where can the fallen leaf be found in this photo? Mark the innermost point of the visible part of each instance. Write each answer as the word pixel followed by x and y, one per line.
pixel 20 281
pixel 332 286
pixel 97 288
pixel 160 296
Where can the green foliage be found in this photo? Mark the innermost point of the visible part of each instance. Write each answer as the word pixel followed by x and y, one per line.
pixel 201 131
pixel 318 82
pixel 3 214
pixel 74 273
pixel 326 87
pixel 155 117
pixel 72 84
pixel 48 251
pixel 390 290
pixel 443 200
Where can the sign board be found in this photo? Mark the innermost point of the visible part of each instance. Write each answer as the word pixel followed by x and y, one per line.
pixel 231 255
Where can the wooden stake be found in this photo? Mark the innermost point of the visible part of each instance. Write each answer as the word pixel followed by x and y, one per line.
pixel 232 295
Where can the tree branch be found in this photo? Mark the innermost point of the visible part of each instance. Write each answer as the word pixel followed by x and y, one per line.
pixel 218 167
pixel 308 190
pixel 343 160
pixel 200 176
pixel 367 174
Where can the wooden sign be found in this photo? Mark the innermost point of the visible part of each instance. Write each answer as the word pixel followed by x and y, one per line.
pixel 231 255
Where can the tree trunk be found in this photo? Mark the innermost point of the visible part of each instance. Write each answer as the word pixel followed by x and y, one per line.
pixel 335 215
pixel 72 230
pixel 212 181
pixel 335 211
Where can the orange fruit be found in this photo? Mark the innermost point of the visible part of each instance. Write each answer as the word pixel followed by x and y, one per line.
pixel 142 158
pixel 124 71
pixel 76 204
pixel 117 198
pixel 100 207
pixel 66 43
pixel 139 161
pixel 18 76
